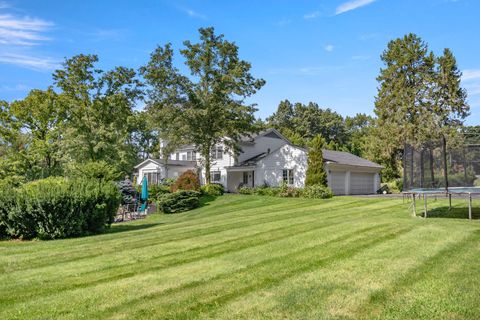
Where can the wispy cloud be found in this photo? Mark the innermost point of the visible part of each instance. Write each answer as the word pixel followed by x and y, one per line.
pixel 22 31
pixel 352 5
pixel 31 62
pixel 14 88
pixel 192 13
pixel 311 15
pixel 329 47
pixel 471 74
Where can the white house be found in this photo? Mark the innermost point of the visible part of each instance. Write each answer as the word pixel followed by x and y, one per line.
pixel 267 159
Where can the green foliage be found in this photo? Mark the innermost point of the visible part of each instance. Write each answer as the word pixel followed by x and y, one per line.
pixel 208 106
pixel 179 201
pixel 127 191
pixel 284 191
pixel 155 191
pixel 58 208
pixel 316 174
pixel 213 189
pixel 317 192
pixel 94 170
pixel 186 181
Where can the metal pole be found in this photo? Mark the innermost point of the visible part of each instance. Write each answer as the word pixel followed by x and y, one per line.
pixel 425 205
pixel 449 201
pixel 470 206
pixel 414 207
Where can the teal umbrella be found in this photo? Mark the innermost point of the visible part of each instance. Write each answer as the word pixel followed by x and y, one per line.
pixel 144 195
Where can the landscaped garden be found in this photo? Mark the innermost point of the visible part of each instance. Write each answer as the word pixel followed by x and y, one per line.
pixel 248 256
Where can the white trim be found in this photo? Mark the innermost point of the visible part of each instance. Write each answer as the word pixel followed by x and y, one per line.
pixel 145 161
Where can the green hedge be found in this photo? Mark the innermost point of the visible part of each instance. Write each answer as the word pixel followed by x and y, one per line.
pixel 213 189
pixel 179 201
pixel 58 208
pixel 313 192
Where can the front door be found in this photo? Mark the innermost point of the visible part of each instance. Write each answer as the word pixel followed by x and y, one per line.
pixel 248 178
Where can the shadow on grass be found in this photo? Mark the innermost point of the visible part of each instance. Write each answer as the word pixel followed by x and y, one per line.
pixel 130 226
pixel 206 199
pixel 454 213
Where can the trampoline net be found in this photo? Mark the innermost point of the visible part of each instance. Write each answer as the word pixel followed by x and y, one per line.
pixel 424 166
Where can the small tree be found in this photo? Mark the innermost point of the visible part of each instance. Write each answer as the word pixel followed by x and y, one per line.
pixel 187 181
pixel 316 174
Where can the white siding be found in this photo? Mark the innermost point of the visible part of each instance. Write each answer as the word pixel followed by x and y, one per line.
pixel 262 144
pixel 270 169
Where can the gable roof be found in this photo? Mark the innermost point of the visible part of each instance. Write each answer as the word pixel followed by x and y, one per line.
pixel 271 132
pixel 342 157
pixel 181 163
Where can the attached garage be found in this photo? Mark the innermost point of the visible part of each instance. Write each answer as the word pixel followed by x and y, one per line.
pixel 362 183
pixel 336 182
pixel 349 174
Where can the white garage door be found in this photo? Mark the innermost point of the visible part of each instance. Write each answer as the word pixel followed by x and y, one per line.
pixel 337 182
pixel 361 183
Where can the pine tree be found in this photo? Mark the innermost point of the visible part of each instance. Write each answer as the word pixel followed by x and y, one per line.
pixel 316 174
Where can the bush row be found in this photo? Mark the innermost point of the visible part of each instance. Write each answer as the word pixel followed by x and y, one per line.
pixel 312 192
pixel 57 208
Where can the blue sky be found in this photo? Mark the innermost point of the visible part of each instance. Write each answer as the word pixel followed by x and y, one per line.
pixel 322 51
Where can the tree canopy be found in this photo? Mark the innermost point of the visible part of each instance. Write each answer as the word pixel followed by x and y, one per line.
pixel 208 106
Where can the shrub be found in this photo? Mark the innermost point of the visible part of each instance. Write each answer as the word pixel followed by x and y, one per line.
pixel 186 181
pixel 94 170
pixel 245 190
pixel 58 208
pixel 290 192
pixel 155 191
pixel 213 189
pixel 127 190
pixel 317 192
pixel 179 201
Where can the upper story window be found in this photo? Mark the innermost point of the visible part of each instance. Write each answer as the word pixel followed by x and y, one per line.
pixel 191 156
pixel 216 176
pixel 184 157
pixel 177 156
pixel 288 176
pixel 217 153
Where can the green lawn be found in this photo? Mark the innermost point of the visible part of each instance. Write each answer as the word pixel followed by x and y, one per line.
pixel 247 257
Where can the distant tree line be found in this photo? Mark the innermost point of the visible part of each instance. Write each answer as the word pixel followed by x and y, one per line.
pixel 89 115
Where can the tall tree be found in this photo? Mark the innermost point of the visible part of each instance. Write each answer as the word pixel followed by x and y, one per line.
pixel 402 103
pixel 316 174
pixel 39 116
pixel 98 106
pixel 209 106
pixel 283 117
pixel 449 102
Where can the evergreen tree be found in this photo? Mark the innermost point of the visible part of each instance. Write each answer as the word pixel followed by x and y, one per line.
pixel 316 174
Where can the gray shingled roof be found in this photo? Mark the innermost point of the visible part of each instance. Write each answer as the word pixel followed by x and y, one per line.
pixel 347 158
pixel 183 163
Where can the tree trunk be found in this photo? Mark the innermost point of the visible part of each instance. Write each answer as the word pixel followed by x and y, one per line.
pixel 432 172
pixel 207 165
pixel 445 167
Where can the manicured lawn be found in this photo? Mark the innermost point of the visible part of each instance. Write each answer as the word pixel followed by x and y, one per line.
pixel 255 257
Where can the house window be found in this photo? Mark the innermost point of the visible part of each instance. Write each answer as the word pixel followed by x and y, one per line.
pixel 177 156
pixel 152 177
pixel 184 157
pixel 215 176
pixel 191 155
pixel 217 153
pixel 288 176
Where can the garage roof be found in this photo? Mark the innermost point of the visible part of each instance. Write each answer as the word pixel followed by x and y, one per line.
pixel 347 158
